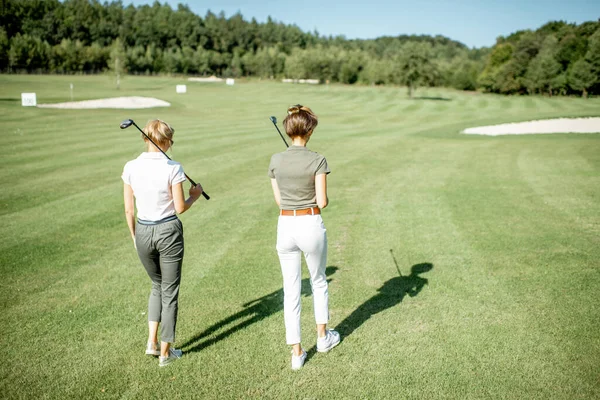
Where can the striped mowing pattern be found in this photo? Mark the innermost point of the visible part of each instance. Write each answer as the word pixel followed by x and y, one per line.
pixel 511 226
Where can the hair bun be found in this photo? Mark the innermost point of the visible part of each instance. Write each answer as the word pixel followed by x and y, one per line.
pixel 294 109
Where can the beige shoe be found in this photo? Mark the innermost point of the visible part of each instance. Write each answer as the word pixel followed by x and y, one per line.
pixel 152 349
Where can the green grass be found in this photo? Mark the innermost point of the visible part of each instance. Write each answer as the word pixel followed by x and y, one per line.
pixel 510 225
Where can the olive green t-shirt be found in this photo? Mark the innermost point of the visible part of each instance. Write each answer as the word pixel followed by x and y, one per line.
pixel 295 170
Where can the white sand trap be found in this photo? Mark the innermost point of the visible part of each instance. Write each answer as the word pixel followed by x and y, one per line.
pixel 558 125
pixel 132 102
pixel 210 79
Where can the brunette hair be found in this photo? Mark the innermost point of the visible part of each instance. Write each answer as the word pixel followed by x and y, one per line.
pixel 300 121
pixel 160 132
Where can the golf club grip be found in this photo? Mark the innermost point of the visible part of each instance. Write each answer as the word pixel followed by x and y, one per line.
pixel 207 197
pixel 276 127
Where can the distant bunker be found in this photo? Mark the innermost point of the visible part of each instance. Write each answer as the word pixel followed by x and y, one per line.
pixel 132 102
pixel 557 125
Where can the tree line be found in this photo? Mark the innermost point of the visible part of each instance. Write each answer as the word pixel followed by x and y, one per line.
pixel 87 36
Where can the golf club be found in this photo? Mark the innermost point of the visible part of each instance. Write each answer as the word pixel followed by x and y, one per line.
pixel 274 121
pixel 128 122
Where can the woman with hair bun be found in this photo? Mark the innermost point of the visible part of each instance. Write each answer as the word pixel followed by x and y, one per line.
pixel 299 182
pixel 156 184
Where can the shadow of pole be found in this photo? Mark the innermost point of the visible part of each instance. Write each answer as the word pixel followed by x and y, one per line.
pixel 390 294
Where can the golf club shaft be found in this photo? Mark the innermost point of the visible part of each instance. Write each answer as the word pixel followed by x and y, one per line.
pixel 165 154
pixel 282 138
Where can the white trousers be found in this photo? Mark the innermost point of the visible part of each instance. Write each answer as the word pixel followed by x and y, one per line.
pixel 305 234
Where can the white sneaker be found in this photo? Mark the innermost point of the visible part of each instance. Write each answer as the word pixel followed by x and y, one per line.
pixel 152 349
pixel 328 342
pixel 298 361
pixel 174 354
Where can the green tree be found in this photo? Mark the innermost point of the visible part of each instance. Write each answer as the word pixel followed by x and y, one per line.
pixel 294 65
pixel 464 75
pixel 92 35
pixel 201 61
pixel 4 49
pixel 154 58
pixel 138 60
pixel 415 67
pixel 525 50
pixel 378 71
pixel 29 53
pixel 570 49
pixel 235 68
pixel 593 53
pixel 266 62
pixel 352 66
pixel 544 68
pixel 582 77
pixel 95 58
pixel 69 56
pixel 173 60
pixel 108 25
pixel 76 20
pixel 500 55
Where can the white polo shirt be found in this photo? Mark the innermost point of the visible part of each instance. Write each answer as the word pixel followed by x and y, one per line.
pixel 151 176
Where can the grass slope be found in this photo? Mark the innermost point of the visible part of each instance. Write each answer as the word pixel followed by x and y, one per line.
pixel 497 240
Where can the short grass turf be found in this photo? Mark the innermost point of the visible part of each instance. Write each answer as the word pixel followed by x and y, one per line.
pixel 460 266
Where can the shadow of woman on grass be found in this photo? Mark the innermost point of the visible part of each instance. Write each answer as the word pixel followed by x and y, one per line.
pixel 389 295
pixel 253 312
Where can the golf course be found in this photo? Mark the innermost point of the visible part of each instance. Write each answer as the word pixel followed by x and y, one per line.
pixel 459 266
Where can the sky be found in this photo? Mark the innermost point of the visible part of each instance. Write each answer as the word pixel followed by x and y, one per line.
pixel 474 23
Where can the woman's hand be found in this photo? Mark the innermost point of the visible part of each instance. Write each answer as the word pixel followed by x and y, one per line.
pixel 181 204
pixel 196 191
pixel 134 245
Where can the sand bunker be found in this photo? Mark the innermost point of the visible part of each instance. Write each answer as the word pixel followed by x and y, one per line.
pixel 210 79
pixel 132 102
pixel 558 125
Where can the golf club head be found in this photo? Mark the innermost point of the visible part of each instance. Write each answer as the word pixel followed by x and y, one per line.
pixel 273 120
pixel 126 124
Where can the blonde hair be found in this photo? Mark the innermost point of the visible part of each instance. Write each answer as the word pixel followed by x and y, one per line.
pixel 160 132
pixel 300 121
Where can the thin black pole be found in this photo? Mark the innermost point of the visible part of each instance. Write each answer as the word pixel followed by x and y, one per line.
pixel 276 127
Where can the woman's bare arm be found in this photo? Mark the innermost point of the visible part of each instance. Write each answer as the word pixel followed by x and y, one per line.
pixel 321 190
pixel 129 209
pixel 276 192
pixel 181 204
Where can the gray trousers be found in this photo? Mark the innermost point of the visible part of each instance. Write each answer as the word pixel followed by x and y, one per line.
pixel 160 248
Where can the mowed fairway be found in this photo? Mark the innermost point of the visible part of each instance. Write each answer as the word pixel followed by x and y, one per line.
pixel 503 233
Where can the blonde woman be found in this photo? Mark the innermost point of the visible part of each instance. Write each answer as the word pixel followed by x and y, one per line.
pixel 299 182
pixel 156 184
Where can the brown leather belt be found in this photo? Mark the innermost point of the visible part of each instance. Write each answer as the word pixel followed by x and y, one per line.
pixel 305 211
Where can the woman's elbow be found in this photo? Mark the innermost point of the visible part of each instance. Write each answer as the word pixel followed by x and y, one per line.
pixel 322 203
pixel 180 207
